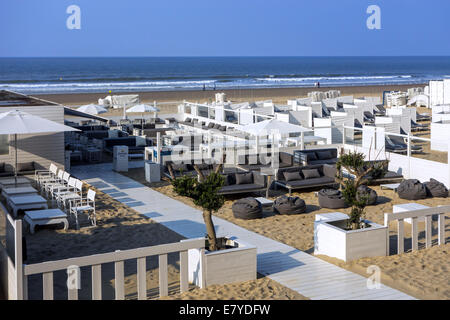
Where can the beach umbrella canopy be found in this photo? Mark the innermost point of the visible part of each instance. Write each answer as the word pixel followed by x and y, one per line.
pixel 92 109
pixel 267 127
pixel 141 108
pixel 19 122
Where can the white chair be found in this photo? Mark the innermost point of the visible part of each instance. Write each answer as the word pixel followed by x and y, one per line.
pixel 63 191
pixel 59 182
pixel 65 199
pixel 85 205
pixel 43 175
pixel 52 188
pixel 57 179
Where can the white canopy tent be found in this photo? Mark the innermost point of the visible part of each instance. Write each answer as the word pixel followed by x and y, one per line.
pixel 92 109
pixel 273 127
pixel 19 122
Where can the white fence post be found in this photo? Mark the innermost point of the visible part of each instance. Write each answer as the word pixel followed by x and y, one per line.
pixel 18 259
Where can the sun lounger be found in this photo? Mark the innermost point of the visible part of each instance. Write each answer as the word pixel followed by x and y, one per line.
pixel 17 203
pixel 46 217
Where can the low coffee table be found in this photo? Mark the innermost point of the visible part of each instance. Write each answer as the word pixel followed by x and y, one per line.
pixel 265 203
pixel 46 217
pixel 391 186
pixel 27 202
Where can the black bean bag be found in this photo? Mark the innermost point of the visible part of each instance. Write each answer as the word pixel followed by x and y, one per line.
pixel 411 189
pixel 289 205
pixel 436 189
pixel 332 199
pixel 368 193
pixel 247 208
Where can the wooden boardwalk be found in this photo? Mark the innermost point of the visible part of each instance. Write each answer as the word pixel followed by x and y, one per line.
pixel 295 269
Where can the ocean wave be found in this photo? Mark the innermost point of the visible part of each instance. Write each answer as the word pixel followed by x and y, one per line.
pixel 302 79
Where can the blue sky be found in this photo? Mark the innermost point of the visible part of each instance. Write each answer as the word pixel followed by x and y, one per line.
pixel 223 28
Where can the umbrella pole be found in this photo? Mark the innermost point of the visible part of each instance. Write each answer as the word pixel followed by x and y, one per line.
pixel 15 154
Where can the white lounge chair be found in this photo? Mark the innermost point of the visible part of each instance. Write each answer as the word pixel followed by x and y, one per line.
pixel 42 175
pixel 73 192
pixel 86 205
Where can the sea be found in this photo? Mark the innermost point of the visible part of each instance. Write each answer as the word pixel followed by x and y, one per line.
pixel 140 74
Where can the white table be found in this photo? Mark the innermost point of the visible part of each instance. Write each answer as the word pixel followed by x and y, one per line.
pixel 9 192
pixel 46 217
pixel 331 216
pixel 391 186
pixel 264 201
pixel 397 208
pixel 11 182
pixel 27 202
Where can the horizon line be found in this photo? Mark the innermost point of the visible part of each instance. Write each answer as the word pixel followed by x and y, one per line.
pixel 234 56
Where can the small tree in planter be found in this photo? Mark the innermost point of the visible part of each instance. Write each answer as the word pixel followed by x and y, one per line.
pixel 361 172
pixel 204 191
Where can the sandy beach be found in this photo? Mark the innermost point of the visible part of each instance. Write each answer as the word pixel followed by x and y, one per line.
pixel 278 95
pixel 422 274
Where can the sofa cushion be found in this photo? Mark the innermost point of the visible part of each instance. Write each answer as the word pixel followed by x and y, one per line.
pixel 211 125
pixel 244 178
pixel 292 176
pixel 141 141
pixel 311 173
pixel 286 158
pixel 25 166
pixel 2 167
pixel 188 120
pixel 324 155
pixel 222 128
pixel 216 126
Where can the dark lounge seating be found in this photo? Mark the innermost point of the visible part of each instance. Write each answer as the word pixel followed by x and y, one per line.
pixel 256 162
pixel 294 178
pixel 181 169
pixel 289 205
pixel 331 199
pixel 436 189
pixel 365 193
pixel 245 182
pixel 381 174
pixel 316 156
pixel 247 209
pixel 412 189
pixel 131 142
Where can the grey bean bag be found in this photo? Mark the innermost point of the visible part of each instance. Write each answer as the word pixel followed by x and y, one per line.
pixel 436 189
pixel 247 208
pixel 331 198
pixel 411 189
pixel 368 193
pixel 289 205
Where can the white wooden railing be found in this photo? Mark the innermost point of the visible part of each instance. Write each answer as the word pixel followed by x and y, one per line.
pixel 118 258
pixel 414 215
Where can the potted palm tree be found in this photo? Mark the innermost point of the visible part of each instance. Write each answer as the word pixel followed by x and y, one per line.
pixel 224 254
pixel 354 237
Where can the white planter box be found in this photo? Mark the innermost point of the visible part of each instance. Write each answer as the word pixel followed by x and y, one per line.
pixel 332 240
pixel 223 266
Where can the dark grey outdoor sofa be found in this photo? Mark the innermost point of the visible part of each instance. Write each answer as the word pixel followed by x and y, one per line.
pixel 243 182
pixel 256 162
pixel 320 175
pixel 316 156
